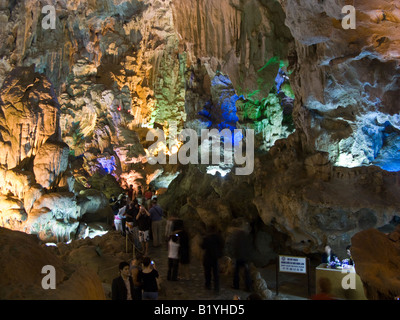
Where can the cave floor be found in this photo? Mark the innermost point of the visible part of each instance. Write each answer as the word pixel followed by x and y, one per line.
pixel 291 286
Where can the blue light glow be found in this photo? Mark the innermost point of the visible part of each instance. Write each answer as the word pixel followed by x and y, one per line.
pixel 221 113
pixel 280 79
pixel 108 164
pixel 388 157
pixel 382 141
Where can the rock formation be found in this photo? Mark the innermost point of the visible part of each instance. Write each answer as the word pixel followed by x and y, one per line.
pixel 78 99
pixel 50 162
pixel 35 163
pixel 29 115
pixel 22 259
pixel 376 256
pixel 345 80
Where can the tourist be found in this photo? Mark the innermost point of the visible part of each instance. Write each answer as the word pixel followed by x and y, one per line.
pixel 156 215
pixel 131 222
pixel 147 197
pixel 184 250
pixel 114 204
pixel 144 224
pixel 148 194
pixel 170 226
pixel 350 258
pixel 130 193
pixel 138 195
pixel 149 277
pixel 119 219
pixel 122 287
pixel 117 223
pixel 113 199
pixel 213 247
pixel 328 256
pixel 139 192
pixel 135 269
pixel 173 257
pixel 122 216
pixel 241 244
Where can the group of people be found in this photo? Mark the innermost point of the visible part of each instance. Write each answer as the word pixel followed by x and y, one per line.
pixel 137 281
pixel 140 280
pixel 328 256
pixel 324 284
pixel 138 214
pixel 213 249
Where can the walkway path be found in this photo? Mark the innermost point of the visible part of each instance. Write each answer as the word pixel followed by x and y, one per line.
pixel 194 289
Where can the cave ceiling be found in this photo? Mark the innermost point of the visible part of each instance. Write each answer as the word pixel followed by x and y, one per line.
pixel 84 82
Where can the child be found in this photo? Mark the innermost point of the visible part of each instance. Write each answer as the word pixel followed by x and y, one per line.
pixel 173 257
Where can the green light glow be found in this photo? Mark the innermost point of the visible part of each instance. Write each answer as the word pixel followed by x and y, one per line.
pixel 259 110
pixel 273 61
pixel 287 90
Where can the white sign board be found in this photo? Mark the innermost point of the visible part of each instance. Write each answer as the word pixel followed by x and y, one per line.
pixel 292 264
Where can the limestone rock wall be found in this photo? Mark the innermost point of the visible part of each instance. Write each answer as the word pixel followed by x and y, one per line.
pixel 38 193
pixel 50 162
pixel 115 67
pixel 29 115
pixel 121 67
pixel 345 80
pixel 20 281
pixel 376 254
pixel 318 185
pixel 235 37
pixel 294 201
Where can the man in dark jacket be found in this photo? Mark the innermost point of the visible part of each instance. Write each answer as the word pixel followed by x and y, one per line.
pixel 213 246
pixel 241 245
pixel 122 286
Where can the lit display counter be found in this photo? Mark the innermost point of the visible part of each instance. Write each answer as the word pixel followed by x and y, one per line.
pixel 345 282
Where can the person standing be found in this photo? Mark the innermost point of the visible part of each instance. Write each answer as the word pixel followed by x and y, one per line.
pixel 131 213
pixel 184 250
pixel 350 258
pixel 122 287
pixel 156 215
pixel 170 226
pixel 130 193
pixel 114 204
pixel 147 197
pixel 139 194
pixel 144 224
pixel 148 277
pixel 328 256
pixel 122 215
pixel 119 218
pixel 173 257
pixel 129 216
pixel 213 246
pixel 135 269
pixel 241 244
pixel 148 194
